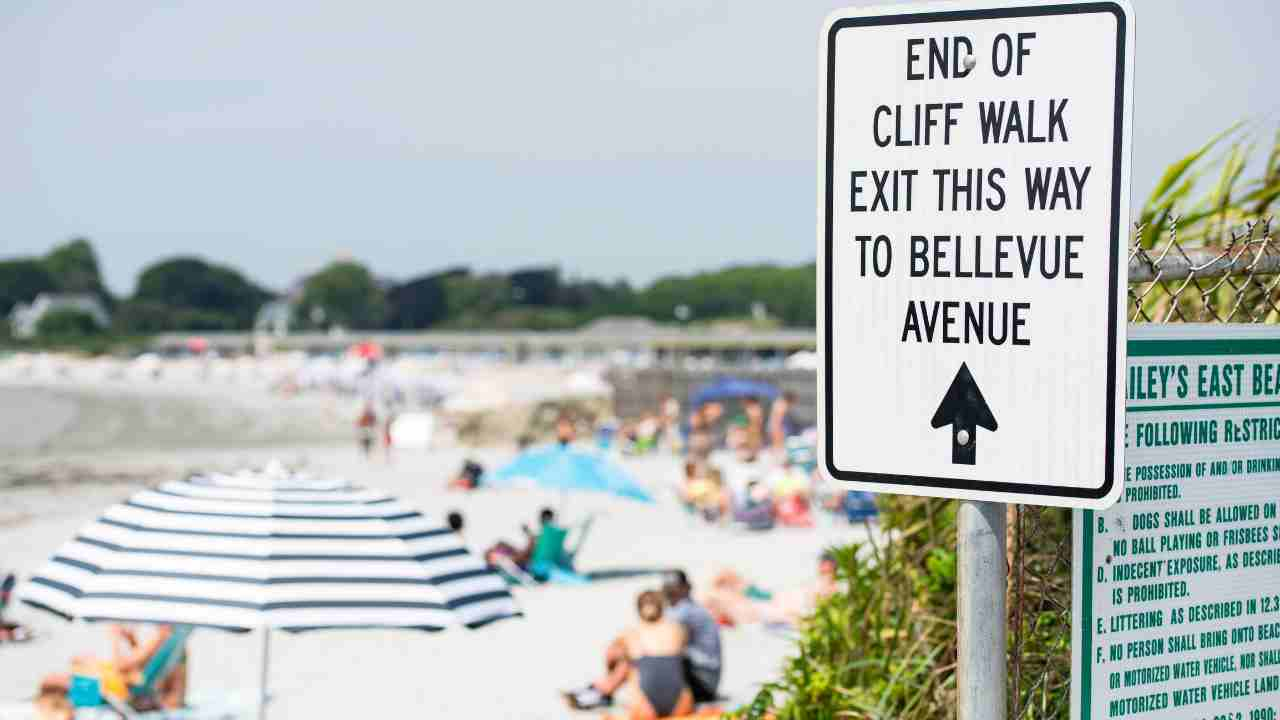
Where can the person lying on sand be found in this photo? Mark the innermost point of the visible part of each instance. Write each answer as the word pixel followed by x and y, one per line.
pixel 647 663
pixel 130 653
pixel 734 601
pixel 502 551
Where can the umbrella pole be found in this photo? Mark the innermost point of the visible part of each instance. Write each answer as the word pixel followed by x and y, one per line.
pixel 262 682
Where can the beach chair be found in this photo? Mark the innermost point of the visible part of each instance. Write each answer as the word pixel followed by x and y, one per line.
pixel 858 506
pixel 167 657
pixel 569 558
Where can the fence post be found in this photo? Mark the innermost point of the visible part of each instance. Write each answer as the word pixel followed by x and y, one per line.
pixel 980 611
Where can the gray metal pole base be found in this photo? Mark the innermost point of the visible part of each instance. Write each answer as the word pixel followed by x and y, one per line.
pixel 982 577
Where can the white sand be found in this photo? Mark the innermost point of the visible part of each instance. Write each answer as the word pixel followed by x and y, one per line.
pixel 512 669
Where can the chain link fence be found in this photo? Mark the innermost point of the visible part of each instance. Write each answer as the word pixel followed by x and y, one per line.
pixel 1237 281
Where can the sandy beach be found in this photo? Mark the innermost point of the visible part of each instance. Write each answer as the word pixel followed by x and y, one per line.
pixel 69 450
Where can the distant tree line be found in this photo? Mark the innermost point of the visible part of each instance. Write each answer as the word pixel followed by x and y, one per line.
pixel 189 294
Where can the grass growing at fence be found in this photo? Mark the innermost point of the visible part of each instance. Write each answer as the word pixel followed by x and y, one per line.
pixel 885 646
pixel 1203 231
pixel 1208 212
pixel 1040 613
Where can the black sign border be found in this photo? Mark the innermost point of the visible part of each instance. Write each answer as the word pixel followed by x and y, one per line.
pixel 1117 165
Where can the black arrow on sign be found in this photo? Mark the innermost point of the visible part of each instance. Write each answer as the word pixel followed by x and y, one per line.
pixel 964 408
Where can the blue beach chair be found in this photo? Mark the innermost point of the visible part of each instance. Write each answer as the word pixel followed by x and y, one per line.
pixel 85 691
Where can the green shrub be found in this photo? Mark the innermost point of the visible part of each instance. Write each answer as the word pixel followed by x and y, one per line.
pixel 884 647
pixel 66 323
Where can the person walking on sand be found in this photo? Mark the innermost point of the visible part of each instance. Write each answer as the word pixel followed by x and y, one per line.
pixel 781 426
pixel 386 434
pixel 366 427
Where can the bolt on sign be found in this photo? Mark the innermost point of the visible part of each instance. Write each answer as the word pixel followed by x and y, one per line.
pixel 974 195
pixel 1176 607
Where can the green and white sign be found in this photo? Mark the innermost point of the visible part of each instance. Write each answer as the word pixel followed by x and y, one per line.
pixel 1176 611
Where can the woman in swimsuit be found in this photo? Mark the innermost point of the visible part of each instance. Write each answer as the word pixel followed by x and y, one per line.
pixel 655 650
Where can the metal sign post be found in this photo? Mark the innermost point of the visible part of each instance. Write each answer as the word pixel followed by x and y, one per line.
pixel 981 579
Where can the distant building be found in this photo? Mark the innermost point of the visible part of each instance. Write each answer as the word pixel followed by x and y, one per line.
pixel 25 318
pixel 621 325
pixel 274 317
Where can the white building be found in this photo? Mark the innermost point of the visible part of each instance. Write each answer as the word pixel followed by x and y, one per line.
pixel 274 317
pixel 26 317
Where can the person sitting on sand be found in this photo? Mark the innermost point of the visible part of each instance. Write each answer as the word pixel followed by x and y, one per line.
pixel 703 491
pixel 669 410
pixel 755 420
pixel 734 601
pixel 755 509
pixel 647 430
pixel 502 551
pixel 468 477
pixel 566 431
pixel 10 632
pixel 700 442
pixel 455 521
pixel 130 654
pixel 791 490
pixel 646 662
pixel 702 658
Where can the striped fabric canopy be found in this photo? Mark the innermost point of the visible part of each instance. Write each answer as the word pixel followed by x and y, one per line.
pixel 243 552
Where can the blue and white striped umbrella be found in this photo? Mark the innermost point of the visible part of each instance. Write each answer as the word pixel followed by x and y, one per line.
pixel 245 552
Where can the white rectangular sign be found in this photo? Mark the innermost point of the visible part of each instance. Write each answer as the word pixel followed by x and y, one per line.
pixel 1176 607
pixel 975 206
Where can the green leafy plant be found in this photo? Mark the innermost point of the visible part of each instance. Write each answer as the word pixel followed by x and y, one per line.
pixel 1206 214
pixel 883 647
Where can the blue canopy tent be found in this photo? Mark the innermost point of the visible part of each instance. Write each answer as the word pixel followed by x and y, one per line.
pixel 569 469
pixel 725 388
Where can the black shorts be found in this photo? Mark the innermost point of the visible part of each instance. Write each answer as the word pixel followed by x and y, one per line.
pixel 702 683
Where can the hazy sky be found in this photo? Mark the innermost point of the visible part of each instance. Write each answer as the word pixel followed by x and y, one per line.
pixel 612 138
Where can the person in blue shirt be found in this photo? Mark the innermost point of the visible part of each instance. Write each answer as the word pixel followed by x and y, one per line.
pixel 702 659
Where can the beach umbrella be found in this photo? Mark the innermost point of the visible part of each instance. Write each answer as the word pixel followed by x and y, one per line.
pixel 250 552
pixel 368 350
pixel 731 387
pixel 569 469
